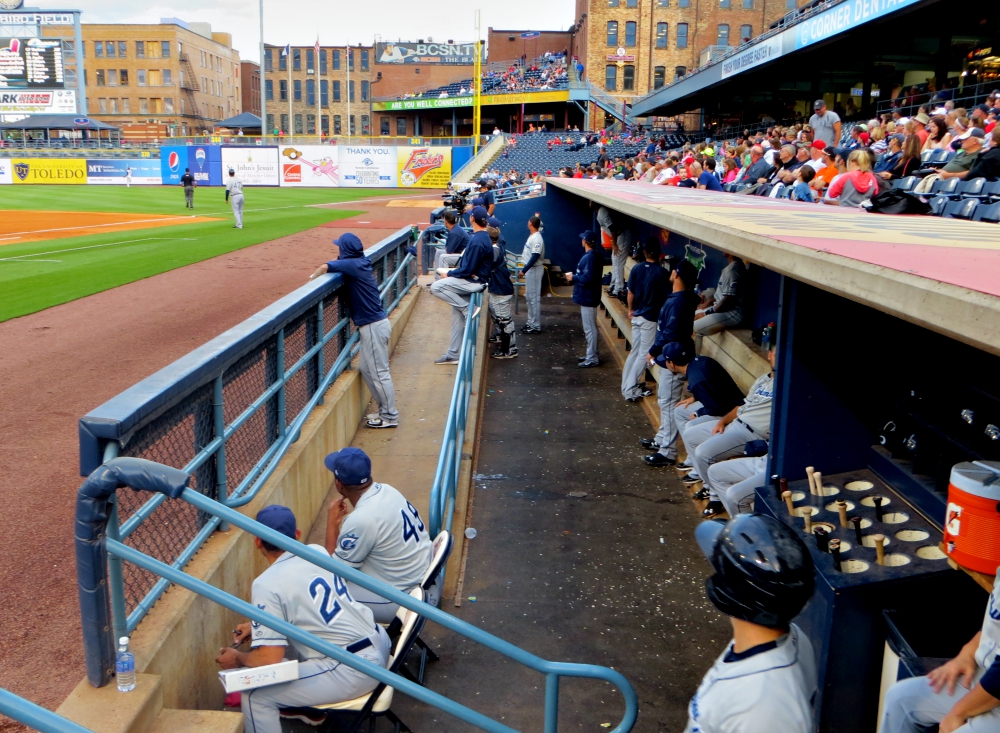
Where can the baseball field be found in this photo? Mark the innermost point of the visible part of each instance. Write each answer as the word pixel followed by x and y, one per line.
pixel 60 243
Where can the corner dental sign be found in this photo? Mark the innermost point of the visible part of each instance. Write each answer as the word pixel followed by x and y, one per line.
pixel 843 17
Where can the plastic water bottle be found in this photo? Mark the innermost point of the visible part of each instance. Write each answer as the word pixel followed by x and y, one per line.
pixel 125 666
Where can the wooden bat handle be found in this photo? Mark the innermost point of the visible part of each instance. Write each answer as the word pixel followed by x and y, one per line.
pixel 787 496
pixel 818 480
pixel 879 541
pixel 809 475
pixel 842 509
pixel 808 519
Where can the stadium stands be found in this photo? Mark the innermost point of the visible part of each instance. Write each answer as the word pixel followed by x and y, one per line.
pixel 532 152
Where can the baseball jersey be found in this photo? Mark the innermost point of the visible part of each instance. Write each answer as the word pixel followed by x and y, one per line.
pixel 769 691
pixel 729 281
pixel 385 538
pixel 604 220
pixel 235 186
pixel 755 411
pixel 535 245
pixel 311 599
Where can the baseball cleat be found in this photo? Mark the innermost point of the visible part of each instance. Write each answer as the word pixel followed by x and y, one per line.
pixel 714 509
pixel 658 460
pixel 701 494
pixel 380 423
pixel 691 479
pixel 649 443
pixel 504 354
pixel 445 360
pixel 309 716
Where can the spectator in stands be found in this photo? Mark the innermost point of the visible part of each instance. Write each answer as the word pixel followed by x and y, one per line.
pixel 987 165
pixel 454 246
pixel 708 181
pixel 788 165
pixel 888 162
pixel 730 170
pixel 965 159
pixel 859 184
pixel 825 124
pixel 938 137
pixel 815 150
pixel 586 282
pixel 687 175
pixel 920 122
pixel 909 159
pixel 722 307
pixel 801 191
pixel 759 169
pixel 532 270
pixel 648 285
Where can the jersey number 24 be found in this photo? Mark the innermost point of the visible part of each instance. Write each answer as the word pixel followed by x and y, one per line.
pixel 329 607
pixel 409 530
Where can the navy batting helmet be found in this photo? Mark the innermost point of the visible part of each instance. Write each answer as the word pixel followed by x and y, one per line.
pixel 763 571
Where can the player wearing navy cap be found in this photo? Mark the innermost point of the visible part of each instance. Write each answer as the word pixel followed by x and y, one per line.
pixel 587 294
pixel 374 329
pixel 454 246
pixel 383 536
pixel 765 680
pixel 489 201
pixel 501 291
pixel 314 600
pixel 471 276
pixel 648 285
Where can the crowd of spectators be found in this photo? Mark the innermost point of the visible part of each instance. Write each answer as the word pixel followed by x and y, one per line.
pixel 549 71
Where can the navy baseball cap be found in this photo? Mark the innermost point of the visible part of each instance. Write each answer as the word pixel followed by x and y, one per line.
pixel 478 201
pixel 351 466
pixel 478 212
pixel 494 222
pixel 589 237
pixel 687 272
pixel 279 518
pixel 676 352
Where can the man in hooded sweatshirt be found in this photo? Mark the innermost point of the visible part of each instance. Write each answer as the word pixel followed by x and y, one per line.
pixel 371 322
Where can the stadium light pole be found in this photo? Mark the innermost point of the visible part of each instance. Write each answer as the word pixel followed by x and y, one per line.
pixel 263 80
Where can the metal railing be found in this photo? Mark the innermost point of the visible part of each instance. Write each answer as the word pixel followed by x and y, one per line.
pixel 35 716
pixel 516 193
pixel 313 139
pixel 227 413
pixel 93 546
pixel 967 96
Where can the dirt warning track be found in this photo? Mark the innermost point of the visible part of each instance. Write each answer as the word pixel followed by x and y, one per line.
pixel 17 226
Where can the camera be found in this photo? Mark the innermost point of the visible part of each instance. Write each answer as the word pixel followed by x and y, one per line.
pixel 457 198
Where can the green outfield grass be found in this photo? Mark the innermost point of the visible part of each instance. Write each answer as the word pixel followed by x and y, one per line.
pixel 39 275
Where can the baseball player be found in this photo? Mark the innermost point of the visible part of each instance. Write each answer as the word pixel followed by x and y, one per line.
pixel 234 195
pixel 675 323
pixel 725 309
pixel 486 192
pixel 621 245
pixel 501 291
pixel 469 277
pixel 374 329
pixel 188 183
pixel 962 695
pixel 587 294
pixel 454 246
pixel 736 481
pixel 532 271
pixel 765 680
pixel 648 285
pixel 383 536
pixel 128 177
pixel 314 600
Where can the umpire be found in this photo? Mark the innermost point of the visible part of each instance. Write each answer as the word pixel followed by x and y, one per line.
pixel 188 183
pixel 648 285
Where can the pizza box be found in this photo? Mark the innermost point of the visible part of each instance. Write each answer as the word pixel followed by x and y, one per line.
pixel 247 678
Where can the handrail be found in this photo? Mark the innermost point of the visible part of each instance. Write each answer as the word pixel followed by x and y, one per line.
pixel 516 193
pixel 35 716
pixel 93 546
pixel 476 163
pixel 442 500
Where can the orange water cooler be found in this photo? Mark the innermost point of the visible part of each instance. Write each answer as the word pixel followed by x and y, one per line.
pixel 972 524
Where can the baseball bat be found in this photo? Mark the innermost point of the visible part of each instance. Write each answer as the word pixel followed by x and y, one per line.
pixel 807 518
pixel 822 539
pixel 835 551
pixel 842 509
pixel 879 541
pixel 856 521
pixel 810 471
pixel 787 496
pixel 818 480
pixel 776 482
pixel 877 500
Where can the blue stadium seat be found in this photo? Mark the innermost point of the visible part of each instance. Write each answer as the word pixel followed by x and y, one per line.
pixel 961 209
pixel 988 212
pixel 905 184
pixel 938 204
pixel 971 189
pixel 991 191
pixel 945 187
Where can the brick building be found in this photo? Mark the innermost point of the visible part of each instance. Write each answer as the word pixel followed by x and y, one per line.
pixel 250 86
pixel 510 45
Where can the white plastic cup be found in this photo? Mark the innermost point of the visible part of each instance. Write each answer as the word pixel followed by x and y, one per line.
pixel 470 533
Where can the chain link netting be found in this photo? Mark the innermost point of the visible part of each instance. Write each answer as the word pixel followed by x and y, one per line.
pixel 176 436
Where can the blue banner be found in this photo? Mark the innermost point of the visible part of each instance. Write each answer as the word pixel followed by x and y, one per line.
pixel 145 171
pixel 843 17
pixel 204 161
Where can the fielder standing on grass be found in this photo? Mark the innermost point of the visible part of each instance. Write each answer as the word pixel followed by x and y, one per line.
pixel 234 195
pixel 188 183
pixel 372 323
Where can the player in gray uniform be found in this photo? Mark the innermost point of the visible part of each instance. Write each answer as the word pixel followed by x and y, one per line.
pixel 383 536
pixel 314 600
pixel 962 695
pixel 735 482
pixel 726 307
pixel 532 271
pixel 765 680
pixel 234 195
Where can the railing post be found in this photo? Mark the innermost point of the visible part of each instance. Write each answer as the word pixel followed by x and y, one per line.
pixel 280 363
pixel 116 579
pixel 320 333
pixel 551 703
pixel 219 426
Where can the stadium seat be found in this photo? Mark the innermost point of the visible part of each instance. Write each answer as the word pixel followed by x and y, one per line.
pixel 988 213
pixel 443 545
pixel 938 204
pixel 960 209
pixel 991 191
pixel 945 187
pixel 926 156
pixel 905 184
pixel 971 189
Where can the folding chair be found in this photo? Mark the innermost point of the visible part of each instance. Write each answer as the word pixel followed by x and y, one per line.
pixel 377 702
pixel 434 576
pixel 961 209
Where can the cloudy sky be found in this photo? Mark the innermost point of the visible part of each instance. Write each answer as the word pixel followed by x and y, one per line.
pixel 337 22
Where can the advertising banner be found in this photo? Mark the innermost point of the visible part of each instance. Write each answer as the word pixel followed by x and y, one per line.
pixel 5 172
pixel 257 166
pixel 756 55
pixel 428 167
pixel 49 170
pixel 145 171
pixel 367 166
pixel 310 166
pixel 38 101
pixel 205 162
pixel 843 17
pixel 460 54
pixel 400 105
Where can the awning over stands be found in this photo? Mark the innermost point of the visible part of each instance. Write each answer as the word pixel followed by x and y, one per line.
pixel 244 120
pixel 58 122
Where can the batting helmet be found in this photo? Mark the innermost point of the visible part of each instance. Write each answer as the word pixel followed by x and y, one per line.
pixel 763 571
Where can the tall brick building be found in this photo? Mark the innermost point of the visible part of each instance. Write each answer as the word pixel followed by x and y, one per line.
pixel 661 38
pixel 250 85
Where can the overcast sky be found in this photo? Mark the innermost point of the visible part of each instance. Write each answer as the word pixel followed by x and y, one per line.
pixel 298 21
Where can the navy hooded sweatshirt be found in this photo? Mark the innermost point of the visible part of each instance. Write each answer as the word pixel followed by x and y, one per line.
pixel 365 302
pixel 477 261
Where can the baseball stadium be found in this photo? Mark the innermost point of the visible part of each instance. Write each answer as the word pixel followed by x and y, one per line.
pixel 580 379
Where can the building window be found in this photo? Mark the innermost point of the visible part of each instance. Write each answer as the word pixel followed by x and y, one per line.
pixel 663 3
pixel 631 3
pixel 100 77
pixel 661 35
pixel 156 106
pixel 113 106
pixel 298 124
pixel 725 4
pixel 354 129
pixel 311 92
pixel 350 64
pixel 628 78
pixel 682 35
pixel 383 125
pixel 630 33
pixel 336 123
pixel 364 59
pixel 612 3
pixel 270 121
pixel 611 77
pixel 168 78
pixel 746 33
pixel 168 105
pixel 296 59
pixel 683 3
pixel 322 62
pixel 310 60
pixel 350 90
pixel 122 49
pixel 336 91
pixel 268 65
pixel 366 125
pixel 127 106
pixel 112 77
pixel 110 48
pixel 790 5
pixel 364 90
pixel 140 49
pixel 102 106
pixel 659 76
pixel 336 62
pixel 123 77
pixel 69 50
pixel 282 61
pixel 165 49
pixel 282 90
pixel 297 89
pixel 269 91
pixel 325 122
pixel 99 49
pixel 722 38
pixel 284 123
pixel 153 50
pixel 612 32
pixel 144 106
pixel 154 79
pixel 324 93
pixel 310 124
pixel 401 126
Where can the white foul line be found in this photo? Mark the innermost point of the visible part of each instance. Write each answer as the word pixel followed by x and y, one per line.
pixel 93 246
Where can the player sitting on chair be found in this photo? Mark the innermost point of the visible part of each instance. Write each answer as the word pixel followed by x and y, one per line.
pixel 314 600
pixel 383 536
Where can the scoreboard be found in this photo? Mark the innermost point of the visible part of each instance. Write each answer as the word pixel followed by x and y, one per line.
pixel 31 63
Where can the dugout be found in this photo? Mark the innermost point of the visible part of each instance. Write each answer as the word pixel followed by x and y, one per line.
pixel 888 321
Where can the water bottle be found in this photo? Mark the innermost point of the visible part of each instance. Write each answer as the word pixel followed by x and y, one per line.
pixel 125 666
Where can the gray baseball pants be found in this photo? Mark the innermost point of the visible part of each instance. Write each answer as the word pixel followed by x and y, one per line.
pixel 716 322
pixel 533 295
pixel 588 314
pixel 320 681
pixel 643 333
pixel 734 482
pixel 705 449
pixel 456 292
pixel 237 203
pixel 443 259
pixel 618 270
pixel 668 394
pixel 503 319
pixel 189 197
pixel 374 367
pixel 912 706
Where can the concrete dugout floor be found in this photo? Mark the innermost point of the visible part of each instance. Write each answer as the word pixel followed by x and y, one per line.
pixel 573 579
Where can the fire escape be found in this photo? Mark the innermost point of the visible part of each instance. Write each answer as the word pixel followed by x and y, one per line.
pixel 189 86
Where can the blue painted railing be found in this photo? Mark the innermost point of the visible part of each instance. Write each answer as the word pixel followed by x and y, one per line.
pixel 93 547
pixel 223 413
pixel 35 716
pixel 442 501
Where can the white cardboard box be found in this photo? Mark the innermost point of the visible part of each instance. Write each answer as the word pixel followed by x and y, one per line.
pixel 247 678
